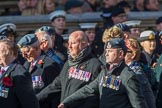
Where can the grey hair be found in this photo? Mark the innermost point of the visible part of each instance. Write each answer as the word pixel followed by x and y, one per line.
pixel 46 37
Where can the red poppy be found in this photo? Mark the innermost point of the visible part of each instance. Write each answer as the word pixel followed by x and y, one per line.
pixel 7 81
pixel 40 62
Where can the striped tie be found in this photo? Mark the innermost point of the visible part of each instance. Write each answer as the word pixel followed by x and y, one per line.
pixel 31 66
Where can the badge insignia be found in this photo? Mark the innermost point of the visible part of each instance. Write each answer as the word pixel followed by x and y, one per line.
pixel 151 36
pixel 108 45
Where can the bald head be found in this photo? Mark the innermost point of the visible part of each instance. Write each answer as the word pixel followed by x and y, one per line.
pixel 79 35
pixel 77 42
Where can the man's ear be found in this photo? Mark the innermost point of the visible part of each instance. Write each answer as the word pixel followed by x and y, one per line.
pixel 45 43
pixel 121 53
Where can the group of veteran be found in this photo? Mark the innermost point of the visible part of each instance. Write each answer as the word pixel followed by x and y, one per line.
pixel 47 80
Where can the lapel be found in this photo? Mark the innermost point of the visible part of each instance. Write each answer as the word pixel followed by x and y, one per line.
pixel 37 66
pixel 8 72
pixel 11 68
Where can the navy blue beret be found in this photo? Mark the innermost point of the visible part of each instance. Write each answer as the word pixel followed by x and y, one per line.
pixel 27 40
pixel 49 30
pixel 116 43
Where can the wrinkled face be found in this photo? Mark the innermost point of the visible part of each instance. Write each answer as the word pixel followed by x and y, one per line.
pixel 149 45
pixel 112 55
pixel 29 53
pixel 59 23
pixel 91 34
pixel 50 6
pixel 74 46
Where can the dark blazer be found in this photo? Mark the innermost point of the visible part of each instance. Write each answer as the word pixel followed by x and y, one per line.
pixel 48 70
pixel 68 85
pixel 128 94
pixel 21 94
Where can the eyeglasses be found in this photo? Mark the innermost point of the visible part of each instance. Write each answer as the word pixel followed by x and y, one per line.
pixel 26 51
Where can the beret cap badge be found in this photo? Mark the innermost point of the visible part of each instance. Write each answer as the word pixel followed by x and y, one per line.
pixel 151 36
pixel 108 45
pixel 19 45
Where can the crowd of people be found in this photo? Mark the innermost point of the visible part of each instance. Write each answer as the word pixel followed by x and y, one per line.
pixel 117 65
pixel 41 7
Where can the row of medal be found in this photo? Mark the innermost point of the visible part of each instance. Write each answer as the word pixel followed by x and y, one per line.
pixel 4 92
pixel 37 82
pixel 112 82
pixel 79 74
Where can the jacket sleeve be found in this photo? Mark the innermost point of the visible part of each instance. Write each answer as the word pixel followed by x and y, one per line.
pixel 134 92
pixel 54 87
pixel 84 92
pixel 24 90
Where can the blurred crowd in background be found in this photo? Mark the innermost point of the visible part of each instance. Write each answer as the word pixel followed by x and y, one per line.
pixel 37 7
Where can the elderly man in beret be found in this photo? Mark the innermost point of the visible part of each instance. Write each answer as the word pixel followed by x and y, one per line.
pixel 117 85
pixel 80 69
pixel 16 89
pixel 46 38
pixel 42 68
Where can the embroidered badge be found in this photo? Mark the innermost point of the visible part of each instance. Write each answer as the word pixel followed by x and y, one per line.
pixel 79 74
